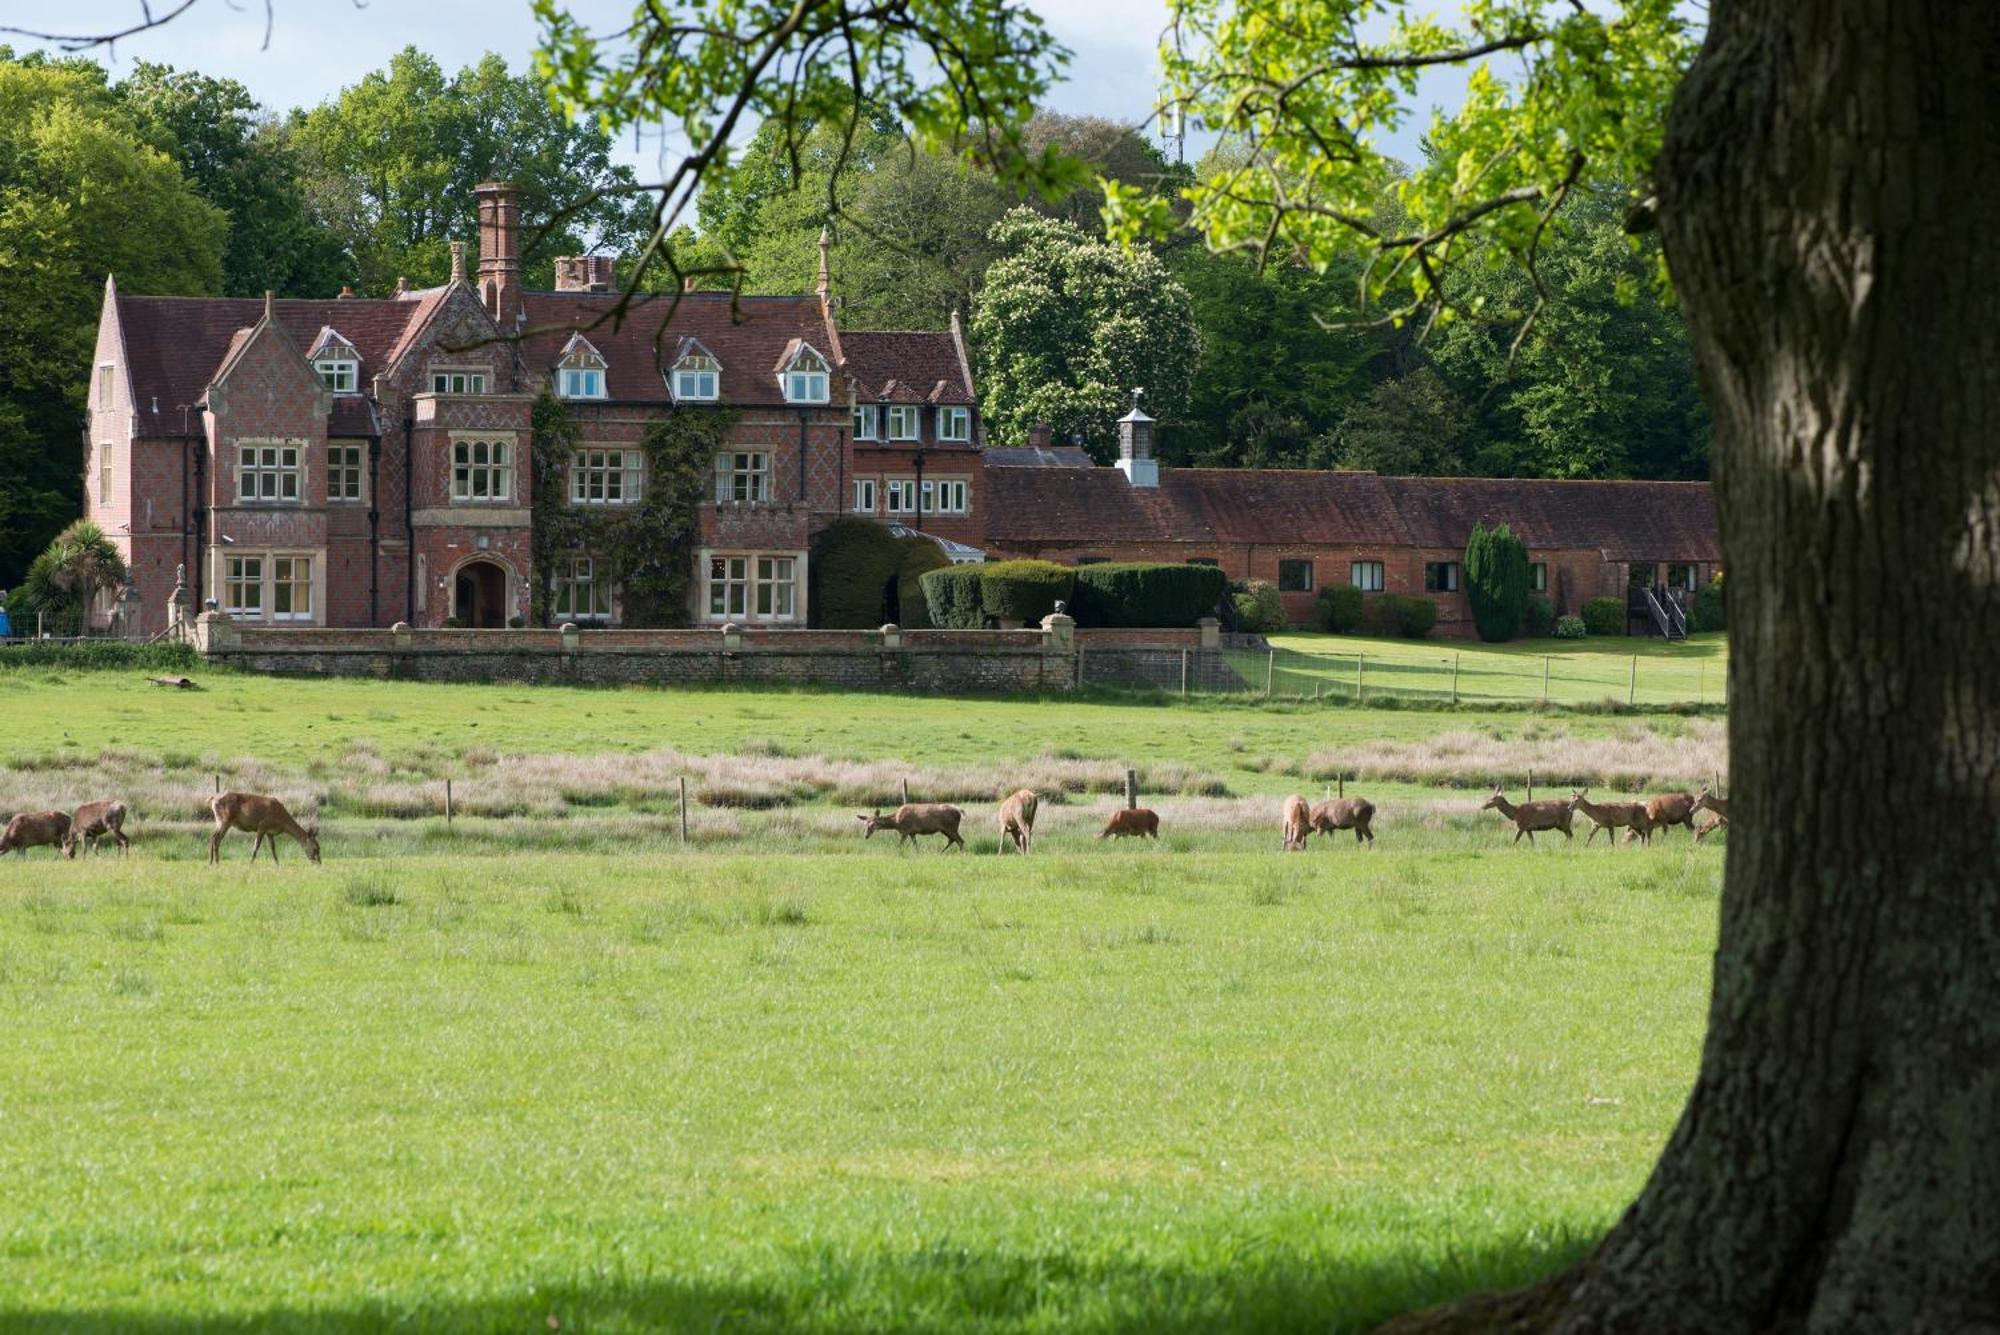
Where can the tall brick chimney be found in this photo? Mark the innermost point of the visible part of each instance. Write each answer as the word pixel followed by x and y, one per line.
pixel 1135 446
pixel 1041 436
pixel 500 251
pixel 585 273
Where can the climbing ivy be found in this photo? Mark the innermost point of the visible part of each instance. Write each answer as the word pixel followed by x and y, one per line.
pixel 647 548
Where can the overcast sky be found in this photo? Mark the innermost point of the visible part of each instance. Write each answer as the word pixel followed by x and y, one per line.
pixel 319 46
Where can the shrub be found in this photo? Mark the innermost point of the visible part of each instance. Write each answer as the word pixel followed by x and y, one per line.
pixel 1604 616
pixel 951 596
pixel 165 656
pixel 1496 581
pixel 516 622
pixel 1412 614
pixel 1708 609
pixel 453 623
pixel 920 557
pixel 1541 616
pixel 1141 593
pixel 854 565
pixel 1024 591
pixel 1340 608
pixel 1259 609
pixel 1571 628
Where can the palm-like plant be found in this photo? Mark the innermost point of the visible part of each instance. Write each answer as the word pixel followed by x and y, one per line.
pixel 80 564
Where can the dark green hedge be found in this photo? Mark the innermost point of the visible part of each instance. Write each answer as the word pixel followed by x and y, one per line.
pixel 853 564
pixel 1146 594
pixel 1340 608
pixel 1496 581
pixel 1408 615
pixel 1259 609
pixel 951 594
pixel 1541 616
pixel 1024 591
pixel 1604 616
pixel 1708 608
pixel 921 556
pixel 162 657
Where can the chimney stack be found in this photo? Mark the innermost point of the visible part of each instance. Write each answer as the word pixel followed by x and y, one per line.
pixel 1041 436
pixel 500 251
pixel 1135 446
pixel 585 273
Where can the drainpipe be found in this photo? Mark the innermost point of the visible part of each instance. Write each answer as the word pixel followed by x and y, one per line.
pixel 200 520
pixel 802 461
pixel 374 528
pixel 409 528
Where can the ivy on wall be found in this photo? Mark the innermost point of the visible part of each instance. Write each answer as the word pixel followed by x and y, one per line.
pixel 647 548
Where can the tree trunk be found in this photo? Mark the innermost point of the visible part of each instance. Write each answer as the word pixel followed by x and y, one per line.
pixel 1827 192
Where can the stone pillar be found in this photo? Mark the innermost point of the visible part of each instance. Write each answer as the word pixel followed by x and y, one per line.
pixel 1211 633
pixel 892 636
pixel 1062 662
pixel 732 637
pixel 214 633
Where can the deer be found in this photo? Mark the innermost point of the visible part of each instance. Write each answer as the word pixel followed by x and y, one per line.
pixel 1671 809
pixel 1017 820
pixel 1345 813
pixel 264 817
pixel 92 821
pixel 34 829
pixel 1298 823
pixel 1132 823
pixel 1608 816
pixel 1529 817
pixel 1706 800
pixel 914 818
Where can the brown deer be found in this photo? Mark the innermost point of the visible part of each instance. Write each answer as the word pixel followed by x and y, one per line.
pixel 1706 800
pixel 1611 816
pixel 1017 821
pixel 1132 823
pixel 1345 813
pixel 34 829
pixel 264 817
pixel 1671 809
pixel 1298 823
pixel 914 818
pixel 1545 815
pixel 92 821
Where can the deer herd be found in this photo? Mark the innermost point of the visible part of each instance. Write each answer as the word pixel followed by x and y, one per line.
pixel 267 818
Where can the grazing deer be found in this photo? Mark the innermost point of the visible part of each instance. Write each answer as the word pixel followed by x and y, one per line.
pixel 1714 823
pixel 1671 809
pixel 1345 813
pixel 1017 821
pixel 914 818
pixel 34 829
pixel 1610 816
pixel 1298 823
pixel 1132 823
pixel 92 821
pixel 1529 817
pixel 1706 800
pixel 264 817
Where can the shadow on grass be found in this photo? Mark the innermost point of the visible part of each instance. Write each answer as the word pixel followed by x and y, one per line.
pixel 940 1289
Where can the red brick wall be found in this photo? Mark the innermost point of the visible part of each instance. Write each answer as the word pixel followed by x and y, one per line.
pixel 881 463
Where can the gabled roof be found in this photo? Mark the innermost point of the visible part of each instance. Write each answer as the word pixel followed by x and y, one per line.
pixel 746 334
pixel 579 349
pixel 692 347
pixel 797 351
pixel 909 366
pixel 330 341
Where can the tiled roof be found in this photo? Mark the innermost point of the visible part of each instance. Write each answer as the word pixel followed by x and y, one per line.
pixel 748 336
pixel 353 415
pixel 176 344
pixel 1269 507
pixel 911 366
pixel 1037 456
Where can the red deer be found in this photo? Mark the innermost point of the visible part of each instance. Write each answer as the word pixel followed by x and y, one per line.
pixel 1613 816
pixel 1529 817
pixel 1132 822
pixel 1714 823
pixel 1298 822
pixel 34 829
pixel 264 817
pixel 1708 801
pixel 92 821
pixel 914 818
pixel 1671 809
pixel 1017 821
pixel 1345 813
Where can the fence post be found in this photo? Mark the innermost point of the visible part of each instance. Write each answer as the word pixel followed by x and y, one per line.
pixel 684 809
pixel 906 792
pixel 1184 673
pixel 1342 776
pixel 1131 788
pixel 1270 671
pixel 447 801
pixel 1531 785
pixel 1632 690
pixel 1454 678
pixel 1360 678
pixel 1701 684
pixel 218 778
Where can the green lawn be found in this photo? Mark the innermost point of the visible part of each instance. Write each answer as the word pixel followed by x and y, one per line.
pixel 1646 672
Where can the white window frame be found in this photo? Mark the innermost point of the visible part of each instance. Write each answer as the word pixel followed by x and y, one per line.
pixel 905 422
pixel 954 424
pixel 581 593
pixel 775 582
pixel 274 466
pixel 339 372
pixel 107 380
pixel 743 477
pixel 1538 576
pixel 864 495
pixel 104 472
pixel 458 380
pixel 293 583
pixel 1368 576
pixel 238 579
pixel 580 382
pixel 346 462
pixel 728 587
pixel 467 465
pixel 689 376
pixel 808 378
pixel 899 496
pixel 867 422
pixel 606 475
pixel 947 496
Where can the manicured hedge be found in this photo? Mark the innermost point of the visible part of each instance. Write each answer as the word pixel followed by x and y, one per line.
pixel 1147 594
pixel 1571 628
pixel 921 556
pixel 1541 616
pixel 1024 591
pixel 162 657
pixel 1604 616
pixel 1496 581
pixel 1415 616
pixel 1259 609
pixel 951 594
pixel 852 566
pixel 1708 607
pixel 1340 608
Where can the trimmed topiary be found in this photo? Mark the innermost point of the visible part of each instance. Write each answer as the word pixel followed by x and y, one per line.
pixel 1571 628
pixel 1496 581
pixel 1259 609
pixel 1604 616
pixel 1541 616
pixel 1024 591
pixel 1148 594
pixel 1414 616
pixel 854 564
pixel 920 557
pixel 951 596
pixel 1340 609
pixel 1708 607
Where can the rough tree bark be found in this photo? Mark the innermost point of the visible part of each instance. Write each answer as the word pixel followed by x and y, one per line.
pixel 1827 197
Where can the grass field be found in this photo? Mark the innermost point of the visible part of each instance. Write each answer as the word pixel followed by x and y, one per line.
pixel 1616 670
pixel 545 1067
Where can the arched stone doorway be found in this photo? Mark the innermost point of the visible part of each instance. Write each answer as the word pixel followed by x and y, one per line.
pixel 479 595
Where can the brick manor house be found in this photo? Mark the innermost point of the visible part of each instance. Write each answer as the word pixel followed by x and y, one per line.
pixel 362 461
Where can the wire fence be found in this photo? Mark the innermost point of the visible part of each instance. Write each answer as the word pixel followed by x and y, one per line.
pixel 1446 677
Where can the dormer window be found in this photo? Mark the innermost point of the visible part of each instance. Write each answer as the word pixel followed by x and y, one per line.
pixel 954 424
pixel 806 378
pixel 903 422
pixel 335 362
pixel 697 378
pixel 580 373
